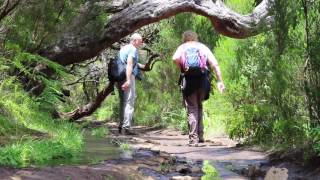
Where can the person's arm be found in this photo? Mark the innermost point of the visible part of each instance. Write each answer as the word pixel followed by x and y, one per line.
pixel 141 66
pixel 177 62
pixel 215 67
pixel 176 57
pixel 129 69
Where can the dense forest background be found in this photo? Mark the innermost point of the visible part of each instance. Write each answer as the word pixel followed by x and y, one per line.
pixel 272 79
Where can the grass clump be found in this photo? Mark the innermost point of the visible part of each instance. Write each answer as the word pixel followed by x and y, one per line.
pixel 38 137
pixel 100 132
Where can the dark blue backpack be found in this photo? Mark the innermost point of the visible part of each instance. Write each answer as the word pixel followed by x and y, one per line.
pixel 117 70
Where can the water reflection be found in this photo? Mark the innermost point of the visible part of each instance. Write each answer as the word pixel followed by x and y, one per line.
pixel 95 150
pixel 128 154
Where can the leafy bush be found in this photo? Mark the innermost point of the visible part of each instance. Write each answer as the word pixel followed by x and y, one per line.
pixel 29 119
pixel 210 173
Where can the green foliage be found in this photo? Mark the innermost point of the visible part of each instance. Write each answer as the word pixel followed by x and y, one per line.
pixel 315 134
pixel 30 134
pixel 312 60
pixel 264 77
pixel 18 108
pixel 264 91
pixel 33 152
pixel 210 173
pixel 8 127
pixel 125 147
pixel 27 68
pixel 100 132
pixel 241 6
pixel 199 24
pixel 108 110
pixel 38 22
pixel 23 61
pixel 216 112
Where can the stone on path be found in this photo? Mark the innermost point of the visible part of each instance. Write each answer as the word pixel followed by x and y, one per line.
pixel 183 178
pixel 277 173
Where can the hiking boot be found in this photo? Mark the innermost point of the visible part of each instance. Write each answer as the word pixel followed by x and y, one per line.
pixel 127 132
pixel 193 143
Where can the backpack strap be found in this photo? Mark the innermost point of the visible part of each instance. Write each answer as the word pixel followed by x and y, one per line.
pixel 182 60
pixel 203 59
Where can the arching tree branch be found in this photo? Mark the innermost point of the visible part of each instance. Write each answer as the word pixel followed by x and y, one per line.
pixel 152 59
pixel 89 108
pixel 72 48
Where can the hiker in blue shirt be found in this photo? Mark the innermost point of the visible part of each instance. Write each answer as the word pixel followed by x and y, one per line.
pixel 127 91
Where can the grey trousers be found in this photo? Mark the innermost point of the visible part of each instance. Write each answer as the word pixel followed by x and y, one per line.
pixel 194 111
pixel 127 100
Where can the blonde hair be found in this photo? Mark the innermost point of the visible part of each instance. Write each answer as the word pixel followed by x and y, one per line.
pixel 189 36
pixel 135 36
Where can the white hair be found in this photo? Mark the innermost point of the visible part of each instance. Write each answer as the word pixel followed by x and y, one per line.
pixel 135 36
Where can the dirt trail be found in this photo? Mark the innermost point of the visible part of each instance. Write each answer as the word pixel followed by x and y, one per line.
pixel 154 149
pixel 220 151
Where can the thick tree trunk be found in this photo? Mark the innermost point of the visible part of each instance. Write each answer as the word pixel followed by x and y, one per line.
pixel 74 48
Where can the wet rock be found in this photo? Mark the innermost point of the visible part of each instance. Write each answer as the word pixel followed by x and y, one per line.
pixel 161 160
pixel 216 144
pixel 245 171
pixel 157 152
pixel 181 160
pixel 183 169
pixel 164 154
pixel 196 169
pixel 126 155
pixel 177 144
pixel 145 153
pixel 253 170
pixel 173 160
pixel 150 172
pixel 277 173
pixel 184 178
pixel 153 142
pixel 83 167
pixel 139 140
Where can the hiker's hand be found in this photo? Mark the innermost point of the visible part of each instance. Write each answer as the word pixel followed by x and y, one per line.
pixel 147 67
pixel 221 86
pixel 125 86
